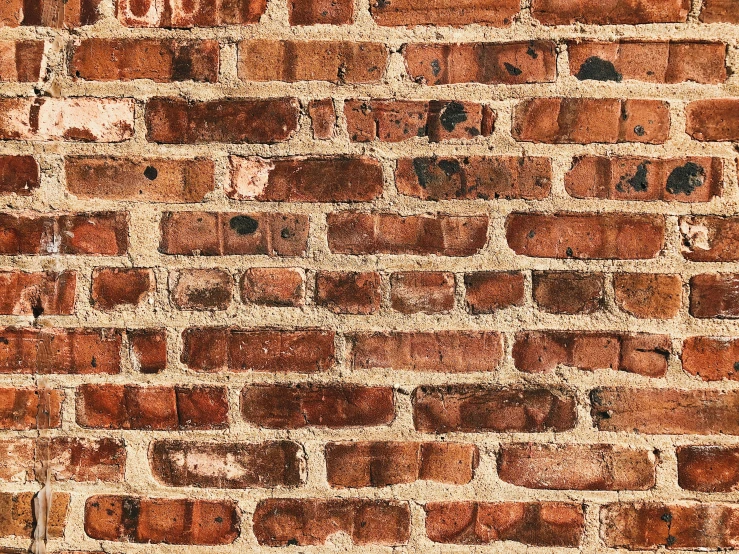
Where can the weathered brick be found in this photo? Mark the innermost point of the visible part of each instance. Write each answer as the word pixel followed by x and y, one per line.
pixel 477 409
pixel 710 238
pixel 49 13
pixel 567 292
pixel 292 61
pixel 629 178
pixel 550 524
pixel 148 349
pixel 23 409
pixel 610 12
pixel 719 11
pixel 201 289
pixel 308 521
pixel 177 14
pixel 490 63
pixel 399 120
pixel 232 234
pixel 713 120
pixel 300 179
pixel 236 120
pixel 19 175
pixel 315 12
pixel 577 467
pixel 308 405
pixel 21 60
pixel 162 520
pixel 440 351
pixel 474 177
pixel 715 295
pixel 18 518
pixel 37 294
pixel 179 463
pixel 544 351
pixel 322 118
pixel 422 291
pixel 708 468
pixel 406 13
pixel 711 358
pixel 379 464
pixel 386 233
pixel 113 287
pixel 273 286
pixel 648 295
pixel 346 292
pixel 217 349
pixel 489 291
pixel 591 120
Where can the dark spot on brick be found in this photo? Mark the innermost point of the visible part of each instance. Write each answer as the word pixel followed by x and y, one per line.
pixel 286 234
pixel 736 364
pixel 150 172
pixel 94 362
pixel 243 224
pixel 473 131
pixel 638 182
pixel 666 517
pixel 435 67
pixel 421 169
pixel 512 69
pixel 532 234
pixel 596 69
pixel 219 519
pixel 292 542
pixel 639 130
pixel 3 340
pixel 671 540
pixel 531 52
pixel 380 4
pixel 37 309
pixel 569 252
pixel 685 179
pixel 450 167
pixel 452 115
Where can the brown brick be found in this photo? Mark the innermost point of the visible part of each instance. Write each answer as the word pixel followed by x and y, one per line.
pixel 406 13
pixel 323 118
pixel 379 464
pixel 710 238
pixel 567 292
pixel 293 61
pixel 477 409
pixel 49 13
pixel 307 521
pixel 422 291
pixel 162 520
pixel 440 351
pixel 37 293
pixel 474 177
pixel 23 409
pixel 308 405
pixel 148 350
pixel 715 295
pixel 490 63
pixel 385 233
pixel 610 12
pixel 21 60
pixel 591 120
pixel 648 295
pixel 544 351
pixel 711 358
pixel 586 236
pixel 300 179
pixel 233 234
pixel 708 468
pixel 232 465
pixel 345 292
pixel 175 14
pixel 577 467
pixel 489 291
pixel 718 11
pixel 18 519
pixel 19 175
pixel 716 119
pixel 315 12
pixel 399 120
pixel 648 179
pixel 534 523
pixel 113 287
pixel 273 286
pixel 240 120
pixel 201 289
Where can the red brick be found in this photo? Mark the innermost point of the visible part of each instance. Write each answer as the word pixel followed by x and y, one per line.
pixel 81 460
pixel 345 292
pixel 711 358
pixel 49 13
pixel 103 233
pixel 399 120
pixel 16 454
pixel 273 286
pixel 648 179
pixel 323 118
pixel 23 409
pixel 79 351
pixel 379 464
pixel 308 521
pixel 490 63
pixel 591 120
pixel 708 468
pixel 162 520
pixel 37 293
pixel 650 61
pixel 477 409
pixel 19 175
pixel 300 179
pixel 201 289
pixel 577 467
pixel 21 60
pixel 148 350
pixel 567 292
pixel 224 349
pixel 18 518
pixel 665 411
pixel 648 295
pixel 315 12
pixel 713 120
pixel 113 287
pixel 545 351
pixel 715 295
pixel 146 179
pixel 171 14
pixel 236 120
pixel 719 11
pixel 406 13
pixel 647 526
pixel 610 12
pixel 710 238
pixel 386 233
pixel 231 465
pixel 292 61
pixel 440 351
pixel 73 119
pixel 233 234
pixel 308 405
pixel 422 291
pixel 489 291
pixel 533 523
pixel 474 177
pixel 164 408
pixel 586 236
pixel 161 60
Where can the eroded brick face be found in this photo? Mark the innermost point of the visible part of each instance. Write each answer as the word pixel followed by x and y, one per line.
pixel 395 275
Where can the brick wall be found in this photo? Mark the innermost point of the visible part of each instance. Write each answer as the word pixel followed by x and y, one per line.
pixel 357 275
